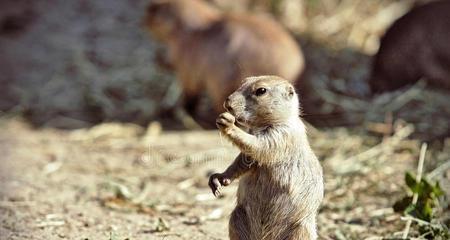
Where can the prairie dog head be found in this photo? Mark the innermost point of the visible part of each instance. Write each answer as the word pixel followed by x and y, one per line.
pixel 165 17
pixel 263 101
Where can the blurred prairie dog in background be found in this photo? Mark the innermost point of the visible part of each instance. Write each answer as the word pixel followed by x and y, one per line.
pixel 212 51
pixel 281 182
pixel 416 46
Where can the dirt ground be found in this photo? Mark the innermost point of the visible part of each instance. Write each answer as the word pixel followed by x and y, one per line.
pixel 120 181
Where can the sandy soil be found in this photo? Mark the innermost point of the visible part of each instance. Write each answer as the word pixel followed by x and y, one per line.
pixel 119 181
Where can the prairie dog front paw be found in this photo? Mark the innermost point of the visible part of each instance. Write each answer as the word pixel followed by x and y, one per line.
pixel 217 181
pixel 225 121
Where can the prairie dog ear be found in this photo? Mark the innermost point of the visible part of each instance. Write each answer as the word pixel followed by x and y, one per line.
pixel 289 91
pixel 196 15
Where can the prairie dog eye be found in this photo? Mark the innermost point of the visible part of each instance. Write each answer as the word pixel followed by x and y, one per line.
pixel 260 91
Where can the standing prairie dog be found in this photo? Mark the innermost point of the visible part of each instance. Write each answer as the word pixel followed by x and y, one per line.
pixel 281 184
pixel 211 51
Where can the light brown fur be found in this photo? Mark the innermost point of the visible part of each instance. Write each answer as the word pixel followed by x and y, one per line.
pixel 281 186
pixel 213 51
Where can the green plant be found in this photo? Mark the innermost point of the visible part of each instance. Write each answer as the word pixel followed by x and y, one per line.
pixel 424 208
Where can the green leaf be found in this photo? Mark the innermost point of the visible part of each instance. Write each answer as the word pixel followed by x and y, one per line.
pixel 425 188
pixel 427 211
pixel 410 181
pixel 437 190
pixel 422 210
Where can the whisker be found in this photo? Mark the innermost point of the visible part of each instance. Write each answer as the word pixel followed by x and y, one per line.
pixel 221 139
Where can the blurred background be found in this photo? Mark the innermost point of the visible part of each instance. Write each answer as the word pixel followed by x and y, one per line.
pixel 91 147
pixel 71 65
